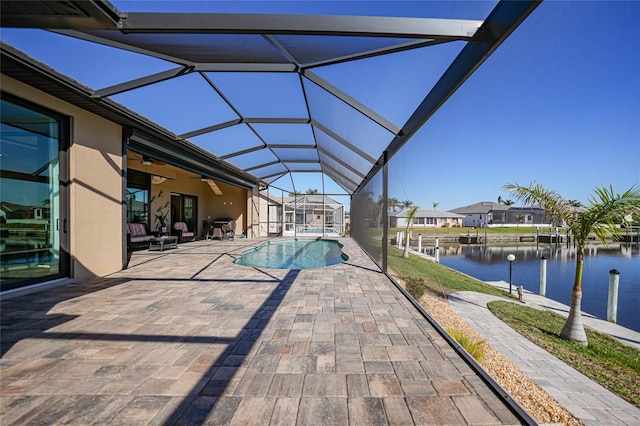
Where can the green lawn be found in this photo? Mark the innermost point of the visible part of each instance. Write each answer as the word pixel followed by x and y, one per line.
pixel 439 279
pixel 606 361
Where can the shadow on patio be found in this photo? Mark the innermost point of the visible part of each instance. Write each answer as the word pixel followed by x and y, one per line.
pixel 187 337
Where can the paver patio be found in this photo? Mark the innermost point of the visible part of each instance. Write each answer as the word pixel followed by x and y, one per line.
pixel 187 337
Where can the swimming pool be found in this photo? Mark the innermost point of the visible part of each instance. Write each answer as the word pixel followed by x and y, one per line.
pixel 317 231
pixel 294 254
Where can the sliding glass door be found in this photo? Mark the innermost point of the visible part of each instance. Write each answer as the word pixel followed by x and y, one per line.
pixel 184 208
pixel 33 232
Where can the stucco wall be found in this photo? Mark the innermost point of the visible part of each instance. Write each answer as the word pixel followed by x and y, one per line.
pixel 95 161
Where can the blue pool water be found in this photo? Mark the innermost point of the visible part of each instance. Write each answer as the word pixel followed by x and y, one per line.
pixel 294 254
pixel 317 231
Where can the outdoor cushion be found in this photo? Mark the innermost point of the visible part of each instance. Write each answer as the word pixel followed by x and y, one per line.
pixel 183 230
pixel 138 232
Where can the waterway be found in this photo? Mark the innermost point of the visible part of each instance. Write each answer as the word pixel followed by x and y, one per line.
pixel 489 263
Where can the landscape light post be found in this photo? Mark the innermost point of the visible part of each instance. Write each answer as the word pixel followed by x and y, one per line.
pixel 510 258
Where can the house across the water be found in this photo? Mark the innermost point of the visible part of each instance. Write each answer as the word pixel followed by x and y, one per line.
pixel 427 219
pixel 487 213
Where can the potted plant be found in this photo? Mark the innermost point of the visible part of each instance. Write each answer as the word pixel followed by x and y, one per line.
pixel 162 212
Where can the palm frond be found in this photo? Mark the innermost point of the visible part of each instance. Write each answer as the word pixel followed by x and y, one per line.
pixel 607 210
pixel 555 206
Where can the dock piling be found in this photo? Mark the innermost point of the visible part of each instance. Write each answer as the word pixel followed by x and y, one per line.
pixel 612 302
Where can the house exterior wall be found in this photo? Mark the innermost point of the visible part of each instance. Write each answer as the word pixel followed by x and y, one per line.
pixel 95 188
pixel 427 222
pixel 96 210
pixel 475 220
pixel 232 203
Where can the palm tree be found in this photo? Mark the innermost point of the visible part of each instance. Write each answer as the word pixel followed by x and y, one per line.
pixel 605 211
pixel 312 191
pixel 519 218
pixel 411 213
pixel 406 204
pixel 508 202
pixel 435 205
pixel 499 199
pixel 392 203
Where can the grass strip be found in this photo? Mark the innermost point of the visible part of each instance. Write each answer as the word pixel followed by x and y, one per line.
pixel 605 360
pixel 439 280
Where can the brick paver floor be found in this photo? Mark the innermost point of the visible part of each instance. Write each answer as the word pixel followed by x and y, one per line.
pixel 187 337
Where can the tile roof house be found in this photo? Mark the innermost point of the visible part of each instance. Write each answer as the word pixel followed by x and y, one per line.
pixel 487 213
pixel 427 219
pixel 482 213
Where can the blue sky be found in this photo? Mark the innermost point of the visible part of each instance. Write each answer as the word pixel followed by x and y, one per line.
pixel 558 102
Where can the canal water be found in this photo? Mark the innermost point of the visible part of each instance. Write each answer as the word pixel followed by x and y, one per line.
pixel 489 263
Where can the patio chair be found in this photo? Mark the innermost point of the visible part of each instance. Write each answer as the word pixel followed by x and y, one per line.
pixel 217 233
pixel 137 234
pixel 183 233
pixel 227 232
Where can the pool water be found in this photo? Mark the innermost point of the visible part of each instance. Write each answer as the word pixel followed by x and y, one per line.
pixel 317 231
pixel 294 254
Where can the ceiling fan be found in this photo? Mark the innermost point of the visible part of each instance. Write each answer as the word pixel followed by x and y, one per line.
pixel 146 160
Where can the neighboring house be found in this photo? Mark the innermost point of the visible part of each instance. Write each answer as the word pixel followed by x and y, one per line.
pixel 483 213
pixel 487 213
pixel 426 219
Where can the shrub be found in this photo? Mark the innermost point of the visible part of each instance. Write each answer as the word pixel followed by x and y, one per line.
pixel 416 287
pixel 474 347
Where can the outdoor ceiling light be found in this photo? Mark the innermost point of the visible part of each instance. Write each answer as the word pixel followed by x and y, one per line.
pixel 203 178
pixel 146 161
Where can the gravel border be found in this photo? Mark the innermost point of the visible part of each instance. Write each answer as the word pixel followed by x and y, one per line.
pixel 542 407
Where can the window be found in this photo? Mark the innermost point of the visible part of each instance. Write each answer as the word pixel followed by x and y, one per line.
pixel 138 184
pixel 32 231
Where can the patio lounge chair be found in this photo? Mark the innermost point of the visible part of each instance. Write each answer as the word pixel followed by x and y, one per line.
pixel 183 233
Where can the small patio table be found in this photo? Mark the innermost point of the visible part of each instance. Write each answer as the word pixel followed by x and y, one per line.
pixel 160 243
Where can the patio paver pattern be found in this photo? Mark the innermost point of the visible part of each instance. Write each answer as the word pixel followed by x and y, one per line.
pixel 186 337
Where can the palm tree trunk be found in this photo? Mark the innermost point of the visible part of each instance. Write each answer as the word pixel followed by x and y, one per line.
pixel 405 254
pixel 573 329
